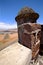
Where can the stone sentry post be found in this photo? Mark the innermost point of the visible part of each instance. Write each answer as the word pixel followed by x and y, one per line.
pixel 25 15
pixel 28 30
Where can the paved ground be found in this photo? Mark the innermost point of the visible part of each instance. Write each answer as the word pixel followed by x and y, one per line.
pixel 15 54
pixel 8 55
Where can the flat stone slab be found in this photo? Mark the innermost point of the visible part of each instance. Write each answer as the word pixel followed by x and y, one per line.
pixel 15 54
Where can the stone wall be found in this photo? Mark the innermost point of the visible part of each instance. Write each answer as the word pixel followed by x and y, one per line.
pixel 29 36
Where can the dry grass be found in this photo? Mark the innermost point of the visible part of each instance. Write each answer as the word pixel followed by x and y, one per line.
pixel 5 42
pixel 12 37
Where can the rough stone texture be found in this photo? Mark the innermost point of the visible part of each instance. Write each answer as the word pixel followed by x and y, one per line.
pixel 27 14
pixel 26 10
pixel 28 31
pixel 15 54
pixel 29 36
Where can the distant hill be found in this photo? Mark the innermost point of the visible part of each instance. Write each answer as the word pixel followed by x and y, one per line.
pixel 8 30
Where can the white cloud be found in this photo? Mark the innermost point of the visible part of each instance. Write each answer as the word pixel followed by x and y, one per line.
pixel 7 26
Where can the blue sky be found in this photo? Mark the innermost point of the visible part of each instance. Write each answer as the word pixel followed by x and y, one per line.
pixel 10 8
